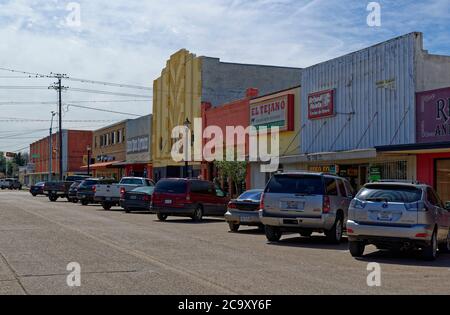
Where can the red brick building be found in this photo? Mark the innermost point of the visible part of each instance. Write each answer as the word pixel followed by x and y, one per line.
pixel 75 144
pixel 231 114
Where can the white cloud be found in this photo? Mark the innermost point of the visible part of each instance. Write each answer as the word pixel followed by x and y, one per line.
pixel 130 41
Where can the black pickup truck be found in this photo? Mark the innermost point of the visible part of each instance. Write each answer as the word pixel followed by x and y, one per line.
pixel 60 189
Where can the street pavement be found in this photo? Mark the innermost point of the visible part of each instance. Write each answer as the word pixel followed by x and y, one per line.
pixel 135 254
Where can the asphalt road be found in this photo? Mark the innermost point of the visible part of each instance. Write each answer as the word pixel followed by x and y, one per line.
pixel 135 254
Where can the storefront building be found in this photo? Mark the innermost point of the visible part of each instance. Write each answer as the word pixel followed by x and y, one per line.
pixel 75 145
pixel 109 148
pixel 138 155
pixel 432 145
pixel 186 83
pixel 362 101
pixel 281 109
pixel 234 114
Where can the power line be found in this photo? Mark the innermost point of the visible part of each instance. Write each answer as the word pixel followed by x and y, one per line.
pixel 102 110
pixel 16 119
pixel 111 84
pixel 107 93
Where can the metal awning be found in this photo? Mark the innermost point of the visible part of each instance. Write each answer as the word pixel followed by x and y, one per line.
pixel 100 165
pixel 416 148
pixel 330 156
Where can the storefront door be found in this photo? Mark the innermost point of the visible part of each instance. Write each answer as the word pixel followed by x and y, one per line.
pixel 443 179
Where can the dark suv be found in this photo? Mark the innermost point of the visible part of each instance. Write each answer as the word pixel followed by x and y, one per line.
pixel 86 190
pixel 188 197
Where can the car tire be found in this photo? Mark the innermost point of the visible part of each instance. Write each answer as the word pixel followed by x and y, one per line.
pixel 106 206
pixel 234 227
pixel 356 248
pixel 162 217
pixel 429 252
pixel 74 200
pixel 85 203
pixel 53 198
pixel 445 247
pixel 273 234
pixel 198 214
pixel 334 235
pixel 127 210
pixel 34 195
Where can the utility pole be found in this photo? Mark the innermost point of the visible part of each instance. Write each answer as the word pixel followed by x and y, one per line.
pixel 50 142
pixel 58 86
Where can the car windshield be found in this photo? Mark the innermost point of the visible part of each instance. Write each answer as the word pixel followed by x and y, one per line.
pixel 296 184
pixel 251 195
pixel 89 182
pixel 146 190
pixel 171 186
pixel 390 193
pixel 40 184
pixel 131 181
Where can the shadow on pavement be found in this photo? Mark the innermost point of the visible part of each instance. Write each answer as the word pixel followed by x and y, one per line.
pixel 314 242
pixel 409 258
pixel 190 221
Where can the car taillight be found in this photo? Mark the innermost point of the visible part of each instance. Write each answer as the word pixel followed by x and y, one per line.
pixel 232 205
pixel 326 204
pixel 188 197
pixel 94 188
pixel 147 198
pixel 122 192
pixel 358 204
pixel 261 204
pixel 416 206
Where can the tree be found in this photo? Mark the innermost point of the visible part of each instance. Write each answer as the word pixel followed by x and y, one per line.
pixel 234 172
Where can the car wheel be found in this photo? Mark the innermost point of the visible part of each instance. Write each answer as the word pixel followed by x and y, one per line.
pixel 198 214
pixel 233 226
pixel 105 206
pixel 85 203
pixel 162 217
pixel 445 247
pixel 335 234
pixel 273 234
pixel 75 200
pixel 34 195
pixel 127 210
pixel 429 252
pixel 53 198
pixel 356 248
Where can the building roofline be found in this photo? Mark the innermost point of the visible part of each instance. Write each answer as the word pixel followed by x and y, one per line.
pixel 276 92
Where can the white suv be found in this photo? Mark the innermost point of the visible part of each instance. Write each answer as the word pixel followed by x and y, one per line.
pixel 394 215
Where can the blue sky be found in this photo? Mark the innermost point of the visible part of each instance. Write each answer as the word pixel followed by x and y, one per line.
pixel 129 41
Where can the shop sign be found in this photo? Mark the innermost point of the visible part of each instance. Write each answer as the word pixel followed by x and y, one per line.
pixel 433 116
pixel 137 145
pixel 35 156
pixel 276 112
pixel 375 173
pixel 10 155
pixel 321 105
pixel 330 169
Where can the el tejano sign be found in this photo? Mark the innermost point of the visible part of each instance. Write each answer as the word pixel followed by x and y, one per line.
pixel 433 116
pixel 275 112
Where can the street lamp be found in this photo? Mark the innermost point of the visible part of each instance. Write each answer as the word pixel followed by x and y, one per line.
pixel 187 125
pixel 89 149
pixel 50 143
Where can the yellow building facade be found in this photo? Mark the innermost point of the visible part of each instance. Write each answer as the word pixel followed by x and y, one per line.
pixel 176 96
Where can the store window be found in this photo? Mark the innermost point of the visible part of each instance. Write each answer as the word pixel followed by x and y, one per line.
pixel 443 179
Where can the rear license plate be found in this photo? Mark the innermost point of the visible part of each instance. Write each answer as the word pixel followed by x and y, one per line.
pixel 246 219
pixel 133 197
pixel 168 202
pixel 53 192
pixel 108 199
pixel 294 205
pixel 385 216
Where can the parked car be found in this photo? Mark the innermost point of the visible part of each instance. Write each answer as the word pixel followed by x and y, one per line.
pixel 60 189
pixel 188 197
pixel 244 210
pixel 11 184
pixel 37 189
pixel 110 195
pixel 138 199
pixel 392 215
pixel 306 202
pixel 87 189
pixel 73 190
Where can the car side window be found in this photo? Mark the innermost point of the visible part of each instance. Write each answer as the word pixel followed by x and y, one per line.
pixel 350 190
pixel 331 187
pixel 341 186
pixel 431 197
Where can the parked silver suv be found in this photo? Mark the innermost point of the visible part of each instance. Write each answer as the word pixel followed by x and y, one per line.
pixel 394 215
pixel 306 202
